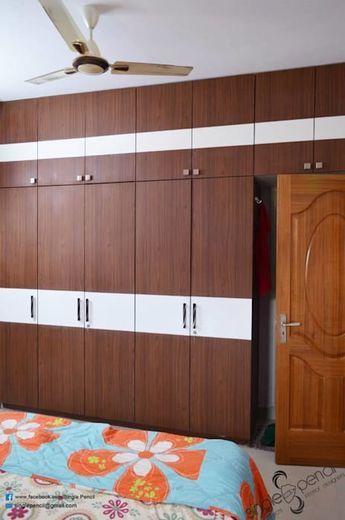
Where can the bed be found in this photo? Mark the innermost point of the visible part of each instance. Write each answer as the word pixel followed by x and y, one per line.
pixel 52 467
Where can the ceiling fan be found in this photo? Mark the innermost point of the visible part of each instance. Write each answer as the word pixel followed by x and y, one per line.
pixel 90 60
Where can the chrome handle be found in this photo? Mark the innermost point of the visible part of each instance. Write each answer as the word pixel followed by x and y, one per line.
pixel 184 315
pixel 319 165
pixel 194 316
pixel 33 180
pixel 292 324
pixel 196 171
pixel 78 309
pixel 32 307
pixel 307 166
pixel 284 325
pixel 80 178
pixel 186 172
pixel 88 177
pixel 87 309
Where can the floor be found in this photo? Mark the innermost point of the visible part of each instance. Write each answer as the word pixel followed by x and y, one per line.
pixel 304 492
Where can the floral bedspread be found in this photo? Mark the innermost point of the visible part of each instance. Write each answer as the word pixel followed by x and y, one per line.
pixel 141 466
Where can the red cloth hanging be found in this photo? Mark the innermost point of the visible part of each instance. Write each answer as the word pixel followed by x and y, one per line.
pixel 262 250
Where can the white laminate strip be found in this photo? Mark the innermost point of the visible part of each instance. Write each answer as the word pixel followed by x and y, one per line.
pixel 60 308
pixel 223 317
pixel 330 127
pixel 18 152
pixel 220 136
pixel 164 140
pixel 110 311
pixel 61 148
pixel 110 144
pixel 15 305
pixel 162 314
pixel 284 131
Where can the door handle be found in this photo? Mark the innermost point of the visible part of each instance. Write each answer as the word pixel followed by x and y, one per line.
pixel 87 310
pixel 78 309
pixel 32 307
pixel 194 318
pixel 184 315
pixel 284 325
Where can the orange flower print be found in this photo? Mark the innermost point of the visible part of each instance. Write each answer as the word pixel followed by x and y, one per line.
pixel 143 479
pixel 30 434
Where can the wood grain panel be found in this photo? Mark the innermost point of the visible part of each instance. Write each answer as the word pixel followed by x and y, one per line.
pixel 61 117
pixel 163 165
pixel 274 159
pixel 55 172
pixel 21 365
pixel 330 85
pixel 110 112
pixel 223 101
pixel 3 343
pixel 18 237
pixel 285 94
pixel 163 231
pixel 111 168
pixel 164 107
pixel 61 238
pixel 221 387
pixel 109 375
pixel 331 152
pixel 109 238
pixel 162 381
pixel 222 237
pixel 61 369
pixel 18 121
pixel 224 162
pixel 17 173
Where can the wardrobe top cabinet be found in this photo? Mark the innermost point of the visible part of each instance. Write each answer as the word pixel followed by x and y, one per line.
pixel 110 112
pixel 18 121
pixel 61 117
pixel 330 88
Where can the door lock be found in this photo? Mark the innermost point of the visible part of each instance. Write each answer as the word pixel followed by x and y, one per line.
pixel 284 325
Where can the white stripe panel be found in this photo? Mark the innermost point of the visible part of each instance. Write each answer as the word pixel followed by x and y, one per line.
pixel 223 317
pixel 284 131
pixel 110 144
pixel 61 148
pixel 330 127
pixel 109 311
pixel 60 308
pixel 164 140
pixel 162 314
pixel 15 305
pixel 218 136
pixel 18 152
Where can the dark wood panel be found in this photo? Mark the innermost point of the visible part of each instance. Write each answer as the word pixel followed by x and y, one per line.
pixel 222 237
pixel 163 165
pixel 162 107
pixel 220 387
pixel 223 101
pixel 111 168
pixel 21 365
pixel 109 237
pixel 61 369
pixel 330 87
pixel 224 162
pixel 162 381
pixel 3 343
pixel 109 375
pixel 273 159
pixel 110 112
pixel 285 94
pixel 331 152
pixel 18 237
pixel 18 121
pixel 61 237
pixel 17 173
pixel 60 171
pixel 61 117
pixel 163 231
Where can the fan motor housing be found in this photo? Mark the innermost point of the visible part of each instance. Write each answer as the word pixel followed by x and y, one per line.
pixel 91 64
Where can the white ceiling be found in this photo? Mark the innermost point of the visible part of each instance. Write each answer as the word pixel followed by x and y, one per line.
pixel 217 37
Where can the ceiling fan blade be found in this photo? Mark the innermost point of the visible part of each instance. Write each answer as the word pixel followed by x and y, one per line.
pixel 52 76
pixel 149 69
pixel 65 24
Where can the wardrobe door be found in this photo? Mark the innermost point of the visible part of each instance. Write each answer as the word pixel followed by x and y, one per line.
pixel 330 118
pixel 110 136
pixel 163 211
pixel 61 136
pixel 284 124
pixel 164 138
pixel 18 143
pixel 109 296
pixel 223 126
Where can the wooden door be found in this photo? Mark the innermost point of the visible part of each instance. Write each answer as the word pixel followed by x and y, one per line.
pixel 61 238
pixel 164 139
pixel 110 136
pixel 61 135
pixel 61 369
pixel 330 118
pixel 310 406
pixel 223 126
pixel 284 125
pixel 18 160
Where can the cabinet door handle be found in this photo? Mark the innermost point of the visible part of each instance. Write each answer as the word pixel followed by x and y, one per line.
pixel 307 166
pixel 196 171
pixel 186 172
pixel 78 309
pixel 87 308
pixel 319 165
pixel 33 180
pixel 32 307
pixel 184 315
pixel 88 177
pixel 194 316
pixel 80 178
